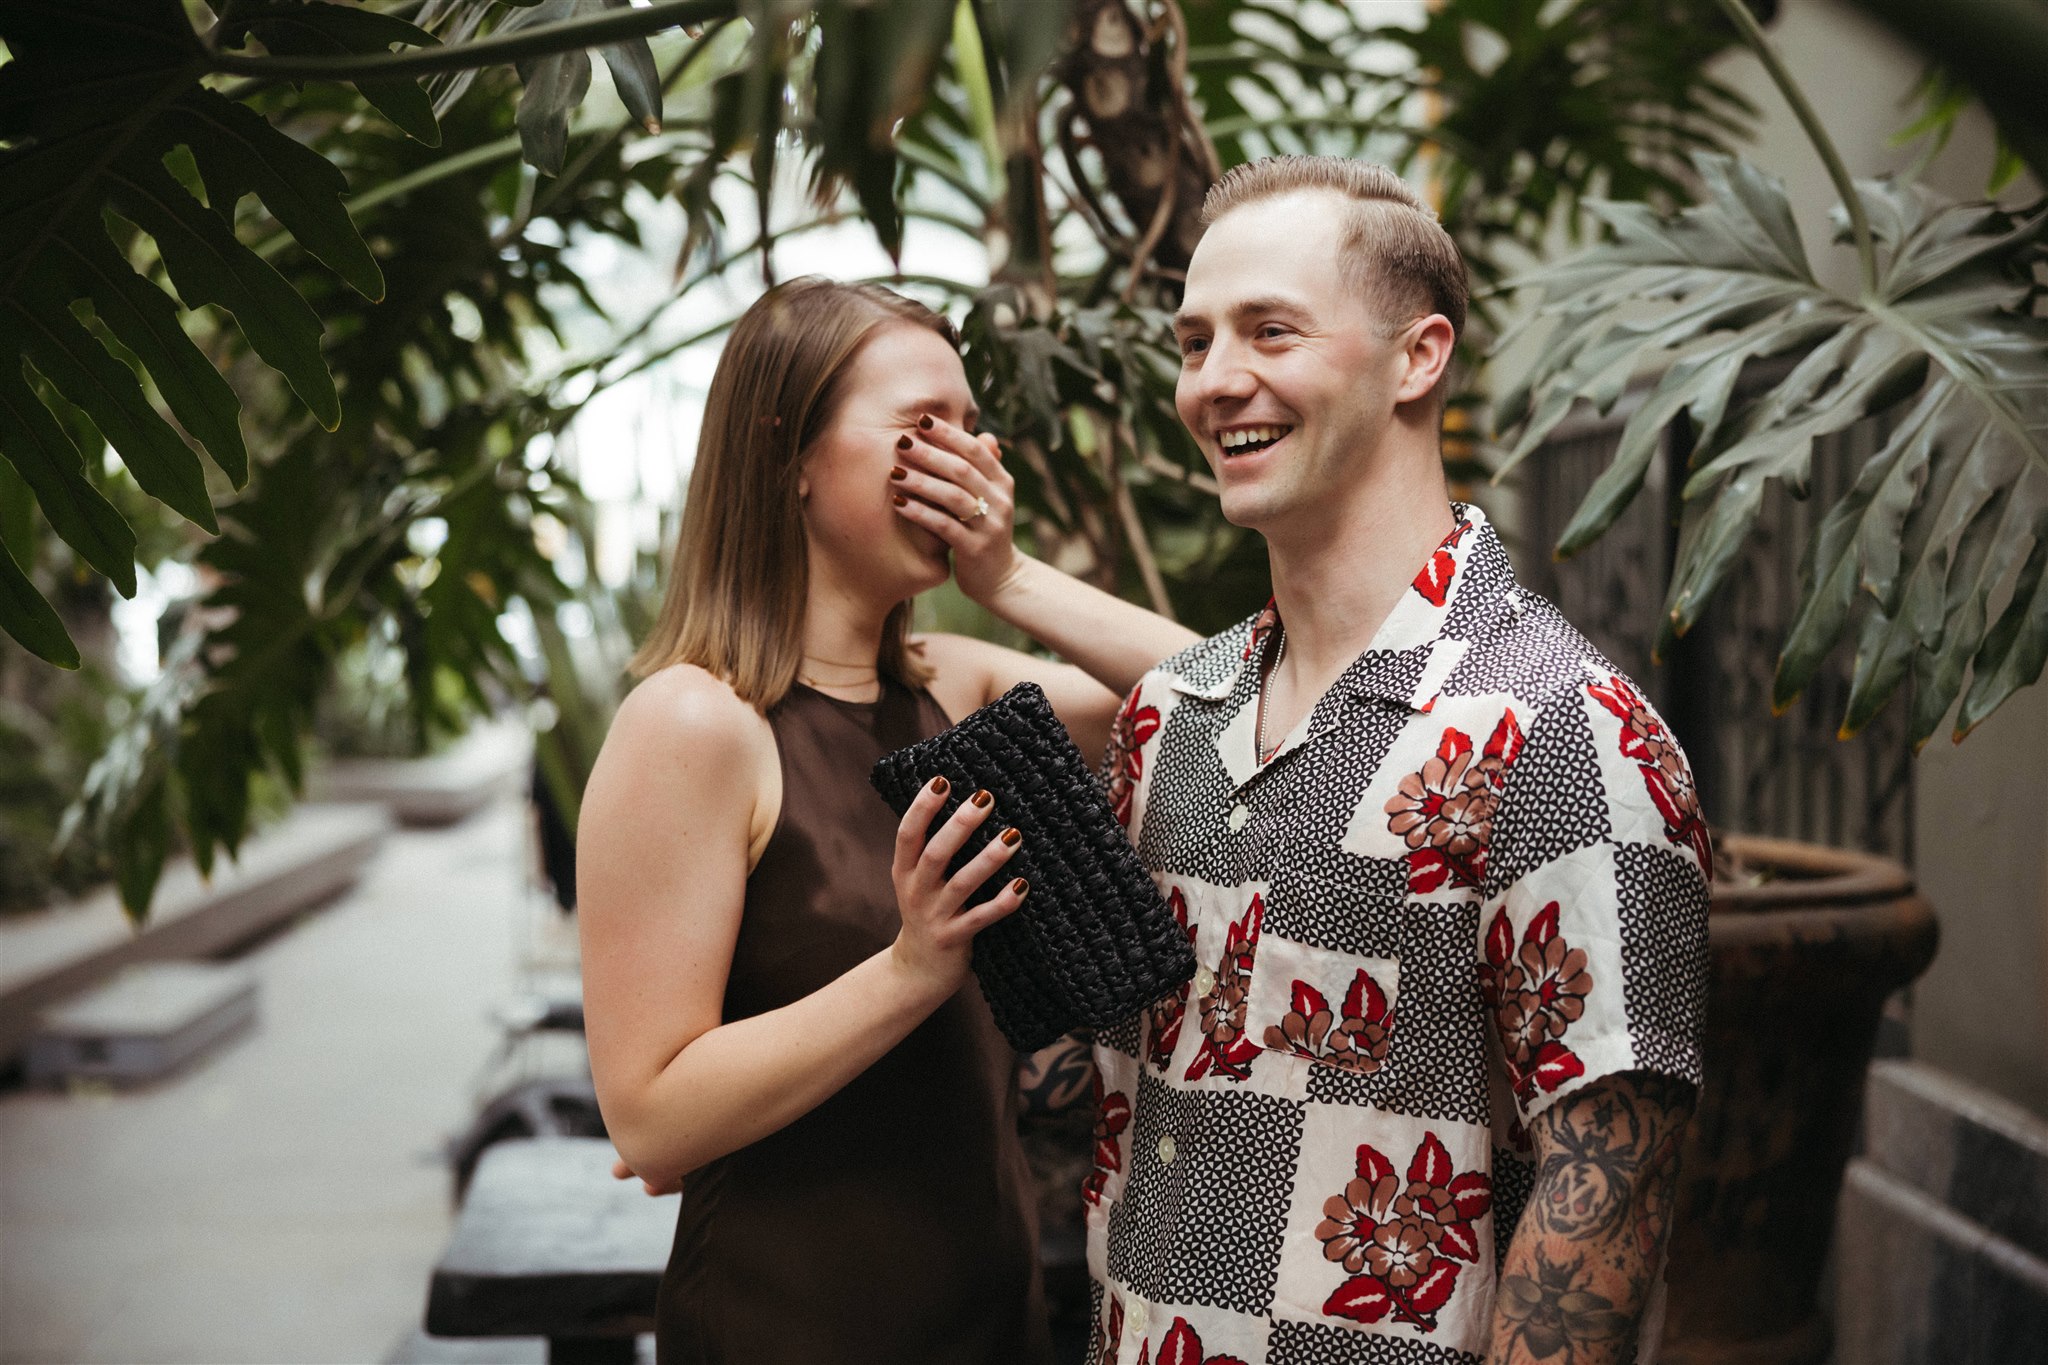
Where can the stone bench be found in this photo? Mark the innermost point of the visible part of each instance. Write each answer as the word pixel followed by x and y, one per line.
pixel 549 1245
pixel 144 1023
pixel 50 956
pixel 440 789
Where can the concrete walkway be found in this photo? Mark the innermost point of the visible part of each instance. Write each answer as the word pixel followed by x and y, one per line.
pixel 284 1198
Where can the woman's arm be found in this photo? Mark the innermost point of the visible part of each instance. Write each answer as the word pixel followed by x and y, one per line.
pixel 1112 640
pixel 673 808
pixel 968 673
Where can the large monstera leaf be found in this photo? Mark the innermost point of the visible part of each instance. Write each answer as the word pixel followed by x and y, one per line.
pixel 1944 344
pixel 99 94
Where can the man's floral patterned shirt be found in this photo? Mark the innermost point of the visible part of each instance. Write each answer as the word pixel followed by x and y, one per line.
pixel 1470 882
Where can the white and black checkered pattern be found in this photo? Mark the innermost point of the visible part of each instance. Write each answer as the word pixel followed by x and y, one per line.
pixel 1305 1343
pixel 1217 1226
pixel 1666 977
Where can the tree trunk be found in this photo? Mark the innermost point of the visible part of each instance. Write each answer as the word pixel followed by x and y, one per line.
pixel 1127 89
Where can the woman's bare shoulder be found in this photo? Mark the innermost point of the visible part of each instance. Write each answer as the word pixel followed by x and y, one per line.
pixel 684 708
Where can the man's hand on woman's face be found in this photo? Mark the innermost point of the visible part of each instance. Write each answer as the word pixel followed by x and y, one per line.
pixel 940 473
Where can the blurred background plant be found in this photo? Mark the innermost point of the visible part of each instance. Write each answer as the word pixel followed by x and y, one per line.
pixel 388 529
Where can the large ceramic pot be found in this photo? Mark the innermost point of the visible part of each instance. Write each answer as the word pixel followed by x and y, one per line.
pixel 1808 941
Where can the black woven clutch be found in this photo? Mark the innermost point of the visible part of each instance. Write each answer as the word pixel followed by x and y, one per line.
pixel 1093 943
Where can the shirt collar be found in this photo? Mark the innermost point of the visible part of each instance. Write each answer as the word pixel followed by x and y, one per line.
pixel 1461 592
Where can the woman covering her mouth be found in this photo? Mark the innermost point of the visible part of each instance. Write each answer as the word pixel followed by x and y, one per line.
pixel 776 971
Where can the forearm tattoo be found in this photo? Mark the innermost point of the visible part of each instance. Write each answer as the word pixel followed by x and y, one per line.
pixel 1580 1269
pixel 1055 1078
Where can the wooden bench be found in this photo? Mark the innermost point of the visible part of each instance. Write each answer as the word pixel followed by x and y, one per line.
pixel 549 1245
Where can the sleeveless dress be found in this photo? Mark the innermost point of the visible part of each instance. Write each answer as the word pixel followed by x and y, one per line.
pixel 895 1223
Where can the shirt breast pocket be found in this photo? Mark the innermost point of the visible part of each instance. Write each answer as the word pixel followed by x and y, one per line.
pixel 1336 1005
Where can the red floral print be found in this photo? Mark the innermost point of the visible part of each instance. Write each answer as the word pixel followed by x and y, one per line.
pixel 1434 582
pixel 1128 734
pixel 1225 1048
pixel 1663 766
pixel 1445 812
pixel 1356 1040
pixel 1536 991
pixel 1112 1332
pixel 1112 1116
pixel 1163 1018
pixel 1401 1240
pixel 1183 1347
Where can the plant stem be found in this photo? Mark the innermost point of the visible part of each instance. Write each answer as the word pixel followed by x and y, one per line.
pixel 1816 133
pixel 610 27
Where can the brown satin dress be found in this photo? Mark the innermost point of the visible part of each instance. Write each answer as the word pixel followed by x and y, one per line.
pixel 895 1222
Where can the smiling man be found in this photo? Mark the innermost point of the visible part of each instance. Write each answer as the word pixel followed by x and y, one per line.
pixel 1441 864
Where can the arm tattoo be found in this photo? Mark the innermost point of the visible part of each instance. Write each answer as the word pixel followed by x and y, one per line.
pixel 1586 1252
pixel 1056 1078
pixel 1550 1316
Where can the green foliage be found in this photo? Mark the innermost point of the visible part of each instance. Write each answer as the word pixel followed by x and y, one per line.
pixel 381 422
pixel 325 549
pixel 98 93
pixel 1944 342
pixel 43 758
pixel 1544 104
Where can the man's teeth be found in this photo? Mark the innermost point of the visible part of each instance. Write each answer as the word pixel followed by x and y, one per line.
pixel 1249 438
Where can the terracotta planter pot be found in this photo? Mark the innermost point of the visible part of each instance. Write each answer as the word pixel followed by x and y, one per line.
pixel 1808 941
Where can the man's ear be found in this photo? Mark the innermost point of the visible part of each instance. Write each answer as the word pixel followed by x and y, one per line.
pixel 1429 355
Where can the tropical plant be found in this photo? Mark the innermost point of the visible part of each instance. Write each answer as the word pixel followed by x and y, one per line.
pixel 376 293
pixel 1943 341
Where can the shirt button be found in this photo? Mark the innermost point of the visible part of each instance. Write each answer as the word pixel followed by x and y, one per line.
pixel 1205 981
pixel 1238 815
pixel 1167 1150
pixel 1137 1315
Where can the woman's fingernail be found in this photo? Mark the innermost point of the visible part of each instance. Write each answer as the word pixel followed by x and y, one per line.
pixel 940 786
pixel 1013 836
pixel 901 501
pixel 1020 886
pixel 903 443
pixel 984 798
pixel 924 423
pixel 899 472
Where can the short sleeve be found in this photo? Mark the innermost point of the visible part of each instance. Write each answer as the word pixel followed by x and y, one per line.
pixel 1593 923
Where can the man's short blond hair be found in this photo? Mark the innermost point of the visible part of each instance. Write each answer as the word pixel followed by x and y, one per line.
pixel 1395 252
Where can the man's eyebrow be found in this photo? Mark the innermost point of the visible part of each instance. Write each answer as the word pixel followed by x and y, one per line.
pixel 1246 308
pixel 1271 303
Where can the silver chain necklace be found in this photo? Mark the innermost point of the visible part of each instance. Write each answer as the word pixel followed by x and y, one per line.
pixel 1259 722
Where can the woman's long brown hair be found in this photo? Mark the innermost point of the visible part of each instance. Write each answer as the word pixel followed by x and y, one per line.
pixel 741 572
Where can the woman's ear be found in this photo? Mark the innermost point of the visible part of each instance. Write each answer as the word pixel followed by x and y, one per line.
pixel 803 487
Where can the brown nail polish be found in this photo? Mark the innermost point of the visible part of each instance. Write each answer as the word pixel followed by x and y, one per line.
pixel 941 786
pixel 1013 836
pixel 899 472
pixel 1020 886
pixel 924 423
pixel 984 798
pixel 900 500
pixel 903 443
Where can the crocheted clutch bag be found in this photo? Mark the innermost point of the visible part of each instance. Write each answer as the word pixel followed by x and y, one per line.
pixel 1093 943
